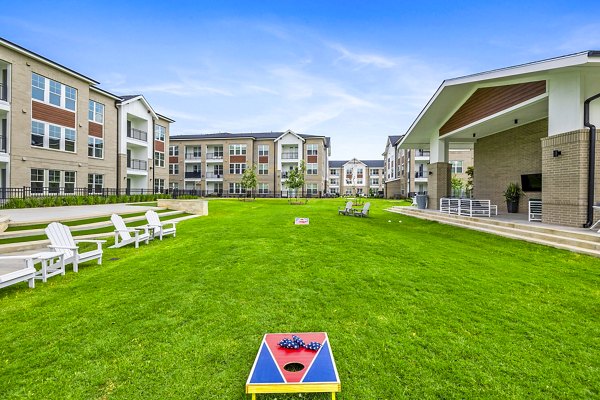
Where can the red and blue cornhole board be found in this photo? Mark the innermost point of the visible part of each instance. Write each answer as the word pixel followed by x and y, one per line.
pixel 268 374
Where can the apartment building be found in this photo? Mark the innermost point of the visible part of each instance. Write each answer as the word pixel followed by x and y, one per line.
pixel 407 170
pixel 60 132
pixel 213 164
pixel 355 177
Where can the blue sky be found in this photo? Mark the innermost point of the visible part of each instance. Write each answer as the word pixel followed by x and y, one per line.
pixel 357 71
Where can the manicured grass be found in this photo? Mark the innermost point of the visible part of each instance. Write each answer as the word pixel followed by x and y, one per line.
pixel 414 309
pixel 78 221
pixel 110 228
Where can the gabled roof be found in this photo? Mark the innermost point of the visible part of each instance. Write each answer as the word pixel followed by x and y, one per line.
pixel 251 135
pixel 290 132
pixel 368 163
pixel 374 163
pixel 47 61
pixel 165 118
pixel 453 92
pixel 127 99
pixel 393 139
pixel 104 92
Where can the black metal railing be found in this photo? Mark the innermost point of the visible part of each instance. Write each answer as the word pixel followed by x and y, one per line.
pixel 137 134
pixel 137 164
pixel 421 174
pixel 193 156
pixel 193 175
pixel 3 92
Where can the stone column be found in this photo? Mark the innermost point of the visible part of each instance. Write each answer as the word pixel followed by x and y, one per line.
pixel 438 183
pixel 564 178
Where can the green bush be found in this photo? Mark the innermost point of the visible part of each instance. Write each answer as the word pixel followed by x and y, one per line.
pixel 55 201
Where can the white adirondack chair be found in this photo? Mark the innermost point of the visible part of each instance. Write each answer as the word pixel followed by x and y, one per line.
pixel 364 212
pixel 123 233
pixel 347 210
pixel 10 276
pixel 62 241
pixel 160 228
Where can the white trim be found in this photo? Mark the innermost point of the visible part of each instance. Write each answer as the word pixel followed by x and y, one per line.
pixel 290 132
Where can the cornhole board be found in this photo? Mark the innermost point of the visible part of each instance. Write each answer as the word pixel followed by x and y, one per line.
pixel 301 221
pixel 269 374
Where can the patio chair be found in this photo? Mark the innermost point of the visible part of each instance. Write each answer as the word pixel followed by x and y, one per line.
pixel 347 210
pixel 15 269
pixel 62 241
pixel 364 212
pixel 123 233
pixel 160 228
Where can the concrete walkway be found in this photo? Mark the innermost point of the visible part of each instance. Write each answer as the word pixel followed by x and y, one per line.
pixel 50 214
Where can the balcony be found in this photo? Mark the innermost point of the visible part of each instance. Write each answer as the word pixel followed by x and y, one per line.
pixel 289 155
pixel 421 155
pixel 3 142
pixel 421 176
pixel 193 156
pixel 3 92
pixel 214 175
pixel 193 175
pixel 214 156
pixel 137 134
pixel 140 165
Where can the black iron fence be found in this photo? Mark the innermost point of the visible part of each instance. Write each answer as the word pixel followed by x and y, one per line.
pixel 137 134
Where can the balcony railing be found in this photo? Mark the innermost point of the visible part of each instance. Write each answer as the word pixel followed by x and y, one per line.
pixel 193 175
pixel 214 156
pixel 3 142
pixel 214 175
pixel 421 174
pixel 193 156
pixel 421 153
pixel 137 134
pixel 289 155
pixel 3 92
pixel 141 165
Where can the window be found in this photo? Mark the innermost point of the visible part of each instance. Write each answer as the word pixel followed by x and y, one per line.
pixel 334 182
pixel 173 169
pixel 159 185
pixel 174 185
pixel 37 133
pixel 263 169
pixel 236 188
pixel 173 150
pixel 348 172
pixel 457 167
pixel 263 188
pixel 70 98
pixel 95 183
pixel 311 169
pixel 37 180
pixel 237 149
pixel 263 150
pixel 38 87
pixel 53 181
pixel 311 188
pixel 359 181
pixel 159 159
pixel 334 172
pixel 193 152
pixel 374 171
pixel 69 181
pixel 311 149
pixel 374 181
pixel 95 147
pixel 359 171
pixel 55 93
pixel 96 112
pixel 160 132
pixel 237 168
pixel 69 140
pixel 54 140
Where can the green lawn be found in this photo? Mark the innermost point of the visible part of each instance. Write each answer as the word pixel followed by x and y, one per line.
pixel 413 309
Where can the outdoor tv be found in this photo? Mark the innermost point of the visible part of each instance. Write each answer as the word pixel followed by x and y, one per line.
pixel 531 182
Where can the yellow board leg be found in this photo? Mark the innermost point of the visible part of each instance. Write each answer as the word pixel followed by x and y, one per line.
pixel 253 396
pixel 332 395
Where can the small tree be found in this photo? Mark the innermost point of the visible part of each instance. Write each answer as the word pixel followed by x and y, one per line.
pixel 469 186
pixel 249 182
pixel 457 185
pixel 295 179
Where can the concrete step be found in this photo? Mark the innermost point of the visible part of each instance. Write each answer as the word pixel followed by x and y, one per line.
pixel 95 225
pixel 581 242
pixel 41 245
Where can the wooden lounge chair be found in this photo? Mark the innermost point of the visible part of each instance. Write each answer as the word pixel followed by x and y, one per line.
pixel 62 241
pixel 26 272
pixel 160 228
pixel 364 212
pixel 123 233
pixel 347 210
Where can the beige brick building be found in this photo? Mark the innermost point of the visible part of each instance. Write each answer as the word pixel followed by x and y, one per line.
pixel 530 124
pixel 213 164
pixel 356 177
pixel 61 133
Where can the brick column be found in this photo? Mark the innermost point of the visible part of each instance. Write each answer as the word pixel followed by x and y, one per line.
pixel 564 178
pixel 438 183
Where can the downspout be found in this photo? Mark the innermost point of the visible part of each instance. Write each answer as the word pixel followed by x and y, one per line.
pixel 591 160
pixel 118 148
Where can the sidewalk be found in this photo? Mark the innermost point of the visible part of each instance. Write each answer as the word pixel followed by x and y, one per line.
pixel 50 214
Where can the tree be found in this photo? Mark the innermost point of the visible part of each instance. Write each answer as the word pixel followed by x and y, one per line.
pixel 457 185
pixel 469 186
pixel 249 182
pixel 295 179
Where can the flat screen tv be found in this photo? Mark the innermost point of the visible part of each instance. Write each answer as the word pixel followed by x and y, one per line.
pixel 531 182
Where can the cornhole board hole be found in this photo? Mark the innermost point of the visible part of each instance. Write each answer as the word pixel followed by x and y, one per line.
pixel 301 221
pixel 280 370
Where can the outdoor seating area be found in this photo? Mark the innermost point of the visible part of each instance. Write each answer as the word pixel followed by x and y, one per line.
pixel 349 209
pixel 468 207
